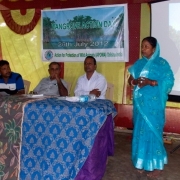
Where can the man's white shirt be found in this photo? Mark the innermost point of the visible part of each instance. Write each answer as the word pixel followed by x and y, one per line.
pixel 84 86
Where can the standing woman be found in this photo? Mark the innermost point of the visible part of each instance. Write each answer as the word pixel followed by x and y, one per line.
pixel 152 79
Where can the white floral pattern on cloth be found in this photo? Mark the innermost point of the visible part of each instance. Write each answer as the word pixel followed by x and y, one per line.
pixel 58 135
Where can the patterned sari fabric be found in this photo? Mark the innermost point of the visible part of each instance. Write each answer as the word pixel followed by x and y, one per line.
pixel 149 103
pixel 11 113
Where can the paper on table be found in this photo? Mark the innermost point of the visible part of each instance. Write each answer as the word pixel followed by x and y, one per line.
pixel 62 98
pixel 35 95
pixel 72 99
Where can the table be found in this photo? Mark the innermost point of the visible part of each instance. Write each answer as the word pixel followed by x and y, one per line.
pixel 60 139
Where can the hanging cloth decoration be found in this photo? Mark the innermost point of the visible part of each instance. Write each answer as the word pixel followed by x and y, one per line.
pixel 21 21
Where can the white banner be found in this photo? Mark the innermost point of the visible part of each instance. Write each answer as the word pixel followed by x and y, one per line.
pixel 73 34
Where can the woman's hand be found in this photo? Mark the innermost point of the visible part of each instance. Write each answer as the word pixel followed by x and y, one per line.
pixel 142 81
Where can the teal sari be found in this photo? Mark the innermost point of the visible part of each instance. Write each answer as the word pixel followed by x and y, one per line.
pixel 149 104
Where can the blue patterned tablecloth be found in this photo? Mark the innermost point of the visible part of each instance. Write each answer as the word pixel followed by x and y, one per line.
pixel 57 137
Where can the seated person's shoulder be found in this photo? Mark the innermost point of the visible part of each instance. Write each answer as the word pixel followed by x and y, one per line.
pixel 81 78
pixel 15 75
pixel 44 81
pixel 101 75
pixel 16 78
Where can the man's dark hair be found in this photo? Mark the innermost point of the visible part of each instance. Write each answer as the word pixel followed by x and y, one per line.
pixel 151 40
pixel 3 62
pixel 56 63
pixel 91 58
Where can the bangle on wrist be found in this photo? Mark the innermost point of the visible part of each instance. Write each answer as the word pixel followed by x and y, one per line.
pixel 132 82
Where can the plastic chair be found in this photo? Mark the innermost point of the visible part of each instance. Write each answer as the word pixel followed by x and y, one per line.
pixel 26 86
pixel 109 91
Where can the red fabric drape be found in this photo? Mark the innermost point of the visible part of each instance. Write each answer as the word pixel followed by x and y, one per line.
pixel 1 57
pixel 62 70
pixel 20 29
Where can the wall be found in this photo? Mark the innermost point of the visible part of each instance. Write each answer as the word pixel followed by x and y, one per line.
pixel 24 52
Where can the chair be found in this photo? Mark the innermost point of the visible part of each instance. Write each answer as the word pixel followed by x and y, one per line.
pixel 127 89
pixel 109 91
pixel 26 86
pixel 68 87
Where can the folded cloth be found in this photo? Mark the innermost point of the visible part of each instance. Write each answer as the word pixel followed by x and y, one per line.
pixel 35 95
pixel 72 99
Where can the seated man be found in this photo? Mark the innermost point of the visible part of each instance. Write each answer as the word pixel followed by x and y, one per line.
pixel 92 82
pixel 11 83
pixel 52 85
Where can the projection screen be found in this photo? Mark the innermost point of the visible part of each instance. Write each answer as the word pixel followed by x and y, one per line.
pixel 165 26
